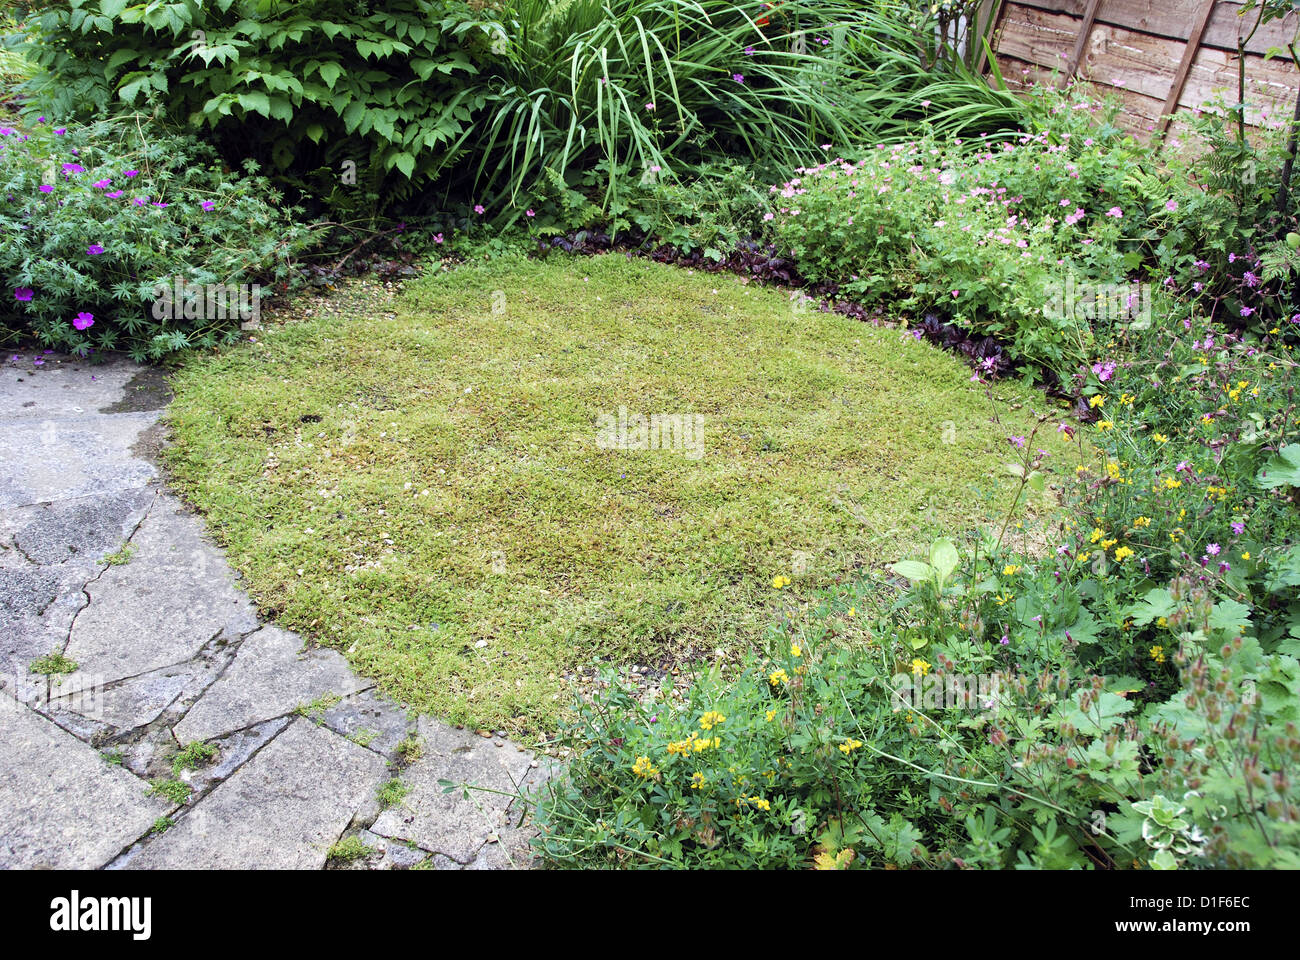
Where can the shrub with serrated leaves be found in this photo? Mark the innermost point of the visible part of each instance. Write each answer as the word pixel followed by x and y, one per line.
pixel 93 217
pixel 305 85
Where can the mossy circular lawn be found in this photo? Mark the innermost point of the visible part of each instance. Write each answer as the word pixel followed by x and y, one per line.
pixel 457 493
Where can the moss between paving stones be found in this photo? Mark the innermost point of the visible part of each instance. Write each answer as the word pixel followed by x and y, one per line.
pixel 420 483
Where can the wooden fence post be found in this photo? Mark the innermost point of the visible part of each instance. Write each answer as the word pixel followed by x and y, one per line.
pixel 1085 31
pixel 1185 68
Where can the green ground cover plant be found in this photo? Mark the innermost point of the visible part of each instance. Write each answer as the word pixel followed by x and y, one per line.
pixel 426 488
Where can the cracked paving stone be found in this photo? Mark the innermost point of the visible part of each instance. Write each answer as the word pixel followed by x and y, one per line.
pixel 37 607
pixel 447 823
pixel 283 809
pixel 369 719
pixel 174 595
pixel 91 527
pixel 270 676
pixel 386 854
pixel 61 805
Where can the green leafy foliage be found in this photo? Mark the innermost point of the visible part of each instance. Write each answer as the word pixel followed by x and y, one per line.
pixel 98 216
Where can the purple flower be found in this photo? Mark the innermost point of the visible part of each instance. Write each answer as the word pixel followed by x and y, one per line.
pixel 738 77
pixel 1225 567
pixel 1238 527
pixel 131 173
pixel 1017 442
pixel 437 238
pixel 7 131
pixel 140 201
pixel 46 188
pixel 24 294
pixel 1212 549
pixel 38 362
pixel 103 184
pixel 478 208
pixel 114 195
pixel 749 51
pixel 73 168
pixel 1104 371
pixel 94 250
pixel 529 212
pixel 208 205
pixel 83 320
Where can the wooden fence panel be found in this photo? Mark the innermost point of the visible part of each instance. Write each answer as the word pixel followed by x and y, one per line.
pixel 1139 51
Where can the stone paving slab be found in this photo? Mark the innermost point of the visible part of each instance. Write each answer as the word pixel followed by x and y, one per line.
pixel 174 595
pixel 88 528
pixel 271 676
pixel 37 607
pixel 447 823
pixel 50 459
pixel 281 810
pixel 61 805
pixel 62 390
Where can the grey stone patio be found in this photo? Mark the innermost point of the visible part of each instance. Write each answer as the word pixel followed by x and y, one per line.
pixel 101 565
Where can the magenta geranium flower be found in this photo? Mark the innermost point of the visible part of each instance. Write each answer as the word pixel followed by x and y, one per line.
pixel 94 250
pixel 114 195
pixel 140 201
pixel 208 204
pixel 1115 212
pixel 24 294
pixel 73 168
pixel 738 77
pixel 529 213
pixel 60 131
pixel 83 320
pixel 478 208
pixel 131 173
pixel 46 188
pixel 103 184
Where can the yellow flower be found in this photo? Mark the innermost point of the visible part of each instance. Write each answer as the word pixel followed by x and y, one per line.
pixel 1104 425
pixel 1096 401
pixel 1158 654
pixel 770 715
pixel 1010 570
pixel 1107 544
pixel 853 611
pixel 1246 555
pixel 1122 554
pixel 643 767
pixel 698 781
pixel 920 667
pixel 1159 438
pixel 796 650
pixel 711 719
pixel 778 677
pixel 760 803
pixel 1172 484
pixel 849 745
pixel 1162 622
pixel 1126 399
pixel 1142 522
pixel 779 581
pixel 1097 534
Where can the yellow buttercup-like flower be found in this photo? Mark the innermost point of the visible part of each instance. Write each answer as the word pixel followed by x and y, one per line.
pixel 1010 570
pixel 643 767
pixel 770 715
pixel 778 677
pixel 796 650
pixel 1122 554
pixel 711 719
pixel 920 667
pixel 849 745
pixel 1096 401
pixel 779 581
